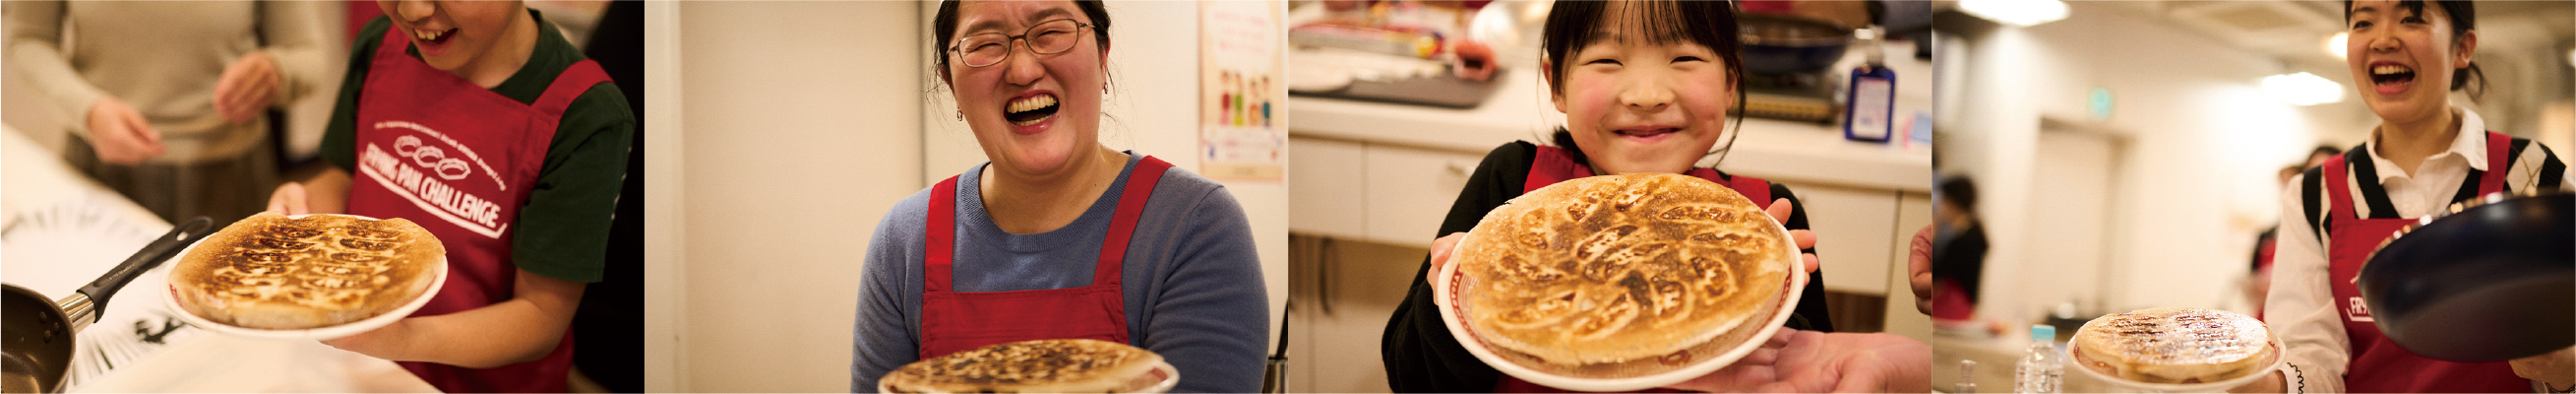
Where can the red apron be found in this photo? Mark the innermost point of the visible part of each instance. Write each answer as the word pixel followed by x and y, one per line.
pixel 953 321
pixel 460 160
pixel 1554 165
pixel 2379 365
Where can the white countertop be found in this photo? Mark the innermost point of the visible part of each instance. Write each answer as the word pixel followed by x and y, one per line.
pixel 86 230
pixel 1518 110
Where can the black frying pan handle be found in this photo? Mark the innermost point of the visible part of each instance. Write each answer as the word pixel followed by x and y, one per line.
pixel 152 255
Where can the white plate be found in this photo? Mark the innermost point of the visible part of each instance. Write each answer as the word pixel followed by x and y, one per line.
pixel 332 332
pixel 1159 380
pixel 2278 359
pixel 1632 375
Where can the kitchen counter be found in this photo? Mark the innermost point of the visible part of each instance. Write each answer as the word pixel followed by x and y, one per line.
pixel 1519 110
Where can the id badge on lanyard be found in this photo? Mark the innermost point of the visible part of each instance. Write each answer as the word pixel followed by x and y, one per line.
pixel 1873 104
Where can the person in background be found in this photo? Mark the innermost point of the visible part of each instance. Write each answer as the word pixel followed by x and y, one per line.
pixel 2423 155
pixel 1959 254
pixel 167 102
pixel 2260 282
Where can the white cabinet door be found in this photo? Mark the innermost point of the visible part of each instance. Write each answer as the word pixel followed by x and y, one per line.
pixel 1855 235
pixel 1347 290
pixel 1914 210
pixel 1324 197
pixel 1410 190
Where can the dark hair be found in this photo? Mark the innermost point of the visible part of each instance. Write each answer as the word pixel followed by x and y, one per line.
pixel 1960 190
pixel 2325 150
pixel 943 26
pixel 1573 24
pixel 2464 17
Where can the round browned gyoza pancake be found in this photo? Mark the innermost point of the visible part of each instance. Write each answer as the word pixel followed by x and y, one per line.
pixel 271 272
pixel 1039 366
pixel 2174 345
pixel 1623 267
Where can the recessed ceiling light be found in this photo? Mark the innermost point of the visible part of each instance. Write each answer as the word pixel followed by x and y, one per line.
pixel 2024 13
pixel 2335 45
pixel 2302 89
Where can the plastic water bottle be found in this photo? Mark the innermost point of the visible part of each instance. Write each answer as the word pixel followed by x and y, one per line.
pixel 1967 377
pixel 2041 368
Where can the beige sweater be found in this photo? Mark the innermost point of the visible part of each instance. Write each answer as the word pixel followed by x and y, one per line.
pixel 163 58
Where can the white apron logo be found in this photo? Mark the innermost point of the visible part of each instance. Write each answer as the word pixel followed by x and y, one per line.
pixel 423 179
pixel 431 157
pixel 2357 311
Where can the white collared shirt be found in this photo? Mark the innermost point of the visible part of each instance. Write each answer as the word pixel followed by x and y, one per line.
pixel 2302 307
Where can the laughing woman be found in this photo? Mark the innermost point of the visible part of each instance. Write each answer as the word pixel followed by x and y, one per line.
pixel 2424 154
pixel 1057 236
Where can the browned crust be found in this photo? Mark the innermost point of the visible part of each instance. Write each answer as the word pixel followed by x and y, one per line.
pixel 1614 268
pixel 2174 345
pixel 268 271
pixel 1040 366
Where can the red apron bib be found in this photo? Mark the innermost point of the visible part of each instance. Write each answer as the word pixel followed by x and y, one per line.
pixel 2379 365
pixel 460 160
pixel 953 321
pixel 1554 165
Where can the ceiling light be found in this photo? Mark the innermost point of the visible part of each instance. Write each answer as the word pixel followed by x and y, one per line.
pixel 2302 89
pixel 2024 13
pixel 2335 45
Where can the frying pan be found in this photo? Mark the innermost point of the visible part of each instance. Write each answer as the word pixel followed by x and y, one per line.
pixel 1782 44
pixel 2492 280
pixel 39 340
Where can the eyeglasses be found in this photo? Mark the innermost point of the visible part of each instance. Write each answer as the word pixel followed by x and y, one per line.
pixel 1046 38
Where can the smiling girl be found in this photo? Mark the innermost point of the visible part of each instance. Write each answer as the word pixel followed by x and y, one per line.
pixel 2423 155
pixel 477 120
pixel 1646 88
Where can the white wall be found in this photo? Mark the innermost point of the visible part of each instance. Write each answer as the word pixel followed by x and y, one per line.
pixel 2196 181
pixel 33 114
pixel 802 126
pixel 1151 108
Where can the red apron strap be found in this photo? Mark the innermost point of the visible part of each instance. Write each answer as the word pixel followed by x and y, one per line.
pixel 940 249
pixel 2338 190
pixel 570 85
pixel 1752 188
pixel 1131 204
pixel 1551 165
pixel 2499 161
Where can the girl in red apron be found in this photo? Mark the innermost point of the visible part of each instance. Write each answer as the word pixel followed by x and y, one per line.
pixel 1057 237
pixel 2424 154
pixel 1645 87
pixel 435 140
